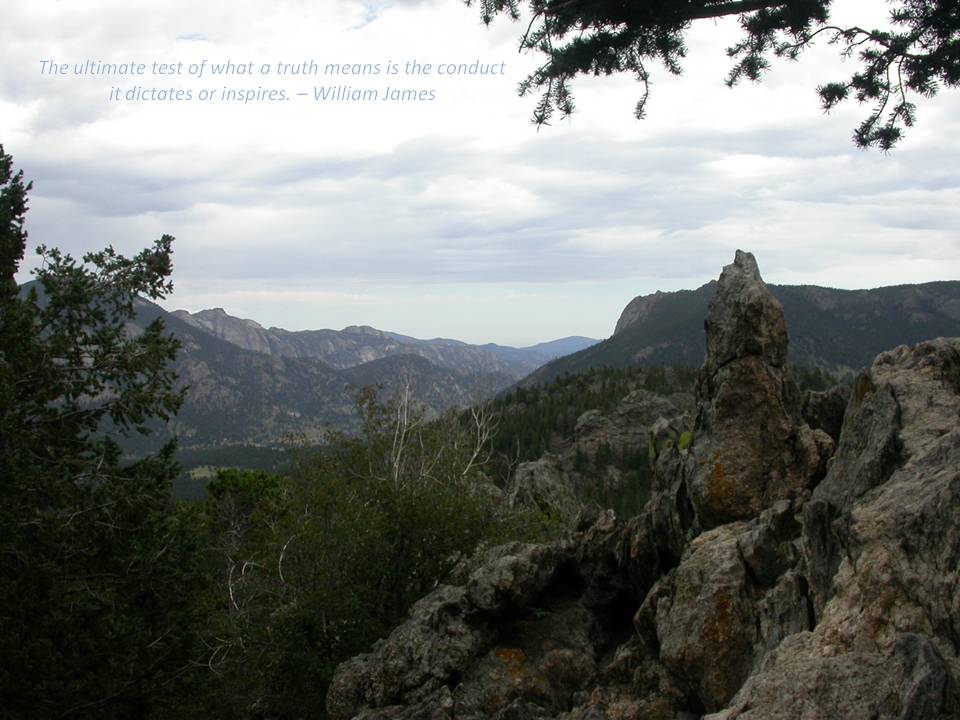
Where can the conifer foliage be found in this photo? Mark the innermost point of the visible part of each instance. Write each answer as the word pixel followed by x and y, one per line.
pixel 914 56
pixel 92 557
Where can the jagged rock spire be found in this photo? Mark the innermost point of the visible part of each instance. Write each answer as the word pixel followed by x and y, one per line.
pixel 744 318
pixel 751 448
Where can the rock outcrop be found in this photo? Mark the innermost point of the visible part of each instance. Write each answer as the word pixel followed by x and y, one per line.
pixel 768 577
pixel 584 474
pixel 753 447
pixel 882 550
pixel 544 485
pixel 824 410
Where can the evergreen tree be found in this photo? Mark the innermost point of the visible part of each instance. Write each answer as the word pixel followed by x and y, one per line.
pixel 92 558
pixel 915 57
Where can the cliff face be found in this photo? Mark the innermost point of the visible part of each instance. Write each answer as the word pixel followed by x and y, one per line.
pixel 771 575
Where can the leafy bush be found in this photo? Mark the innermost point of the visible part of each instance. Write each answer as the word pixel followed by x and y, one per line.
pixel 317 565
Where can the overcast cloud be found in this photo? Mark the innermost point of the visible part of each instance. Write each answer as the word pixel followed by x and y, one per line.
pixel 457 218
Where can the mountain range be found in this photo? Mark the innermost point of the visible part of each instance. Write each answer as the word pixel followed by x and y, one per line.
pixel 250 385
pixel 359 344
pixel 837 330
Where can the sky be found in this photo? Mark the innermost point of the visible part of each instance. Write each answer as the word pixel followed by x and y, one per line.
pixel 453 216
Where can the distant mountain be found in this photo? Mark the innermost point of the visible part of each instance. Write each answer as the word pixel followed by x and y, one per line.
pixel 563 346
pixel 359 344
pixel 839 330
pixel 244 396
pixel 435 386
pixel 530 358
pixel 249 385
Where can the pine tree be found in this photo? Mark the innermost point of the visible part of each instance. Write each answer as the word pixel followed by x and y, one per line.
pixel 918 55
pixel 92 559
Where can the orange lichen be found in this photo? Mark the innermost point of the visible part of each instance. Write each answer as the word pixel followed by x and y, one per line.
pixel 721 489
pixel 515 660
pixel 719 628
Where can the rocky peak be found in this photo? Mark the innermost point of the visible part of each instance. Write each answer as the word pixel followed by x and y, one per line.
pixel 744 319
pixel 751 447
pixel 248 334
pixel 644 308
pixel 637 309
pixel 364 330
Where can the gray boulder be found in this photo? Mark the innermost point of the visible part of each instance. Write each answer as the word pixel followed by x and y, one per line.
pixel 544 485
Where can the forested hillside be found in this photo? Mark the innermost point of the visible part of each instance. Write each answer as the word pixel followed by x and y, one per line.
pixel 838 330
pixel 539 419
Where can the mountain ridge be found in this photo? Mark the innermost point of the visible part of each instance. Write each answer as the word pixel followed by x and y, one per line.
pixel 241 396
pixel 356 344
pixel 837 330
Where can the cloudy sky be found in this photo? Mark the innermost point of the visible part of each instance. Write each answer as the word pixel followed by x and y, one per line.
pixel 454 217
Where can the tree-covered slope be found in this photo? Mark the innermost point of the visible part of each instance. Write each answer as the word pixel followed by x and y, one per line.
pixel 839 330
pixel 240 396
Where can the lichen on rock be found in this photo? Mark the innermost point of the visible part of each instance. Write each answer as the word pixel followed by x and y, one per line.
pixel 752 446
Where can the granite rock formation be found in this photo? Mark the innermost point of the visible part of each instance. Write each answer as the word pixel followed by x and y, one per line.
pixel 795 581
pixel 754 448
pixel 559 484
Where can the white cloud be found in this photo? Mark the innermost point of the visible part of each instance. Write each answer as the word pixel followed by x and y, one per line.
pixel 457 217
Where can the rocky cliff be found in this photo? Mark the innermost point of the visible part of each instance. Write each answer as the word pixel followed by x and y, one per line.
pixel 773 574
